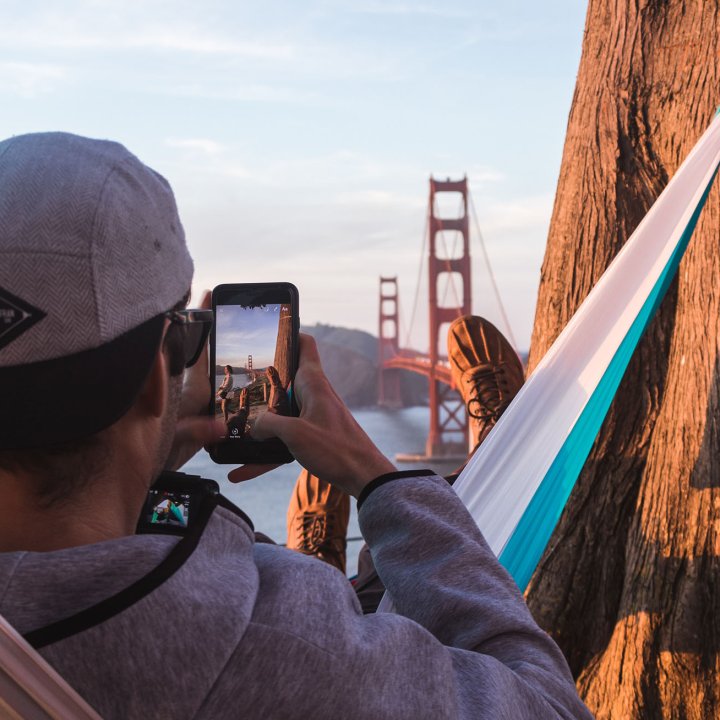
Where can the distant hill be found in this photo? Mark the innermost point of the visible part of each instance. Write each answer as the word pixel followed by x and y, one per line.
pixel 358 341
pixel 349 358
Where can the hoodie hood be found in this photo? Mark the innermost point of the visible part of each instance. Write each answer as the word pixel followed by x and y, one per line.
pixel 137 592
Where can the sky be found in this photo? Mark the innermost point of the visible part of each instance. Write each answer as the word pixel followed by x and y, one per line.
pixel 247 331
pixel 300 136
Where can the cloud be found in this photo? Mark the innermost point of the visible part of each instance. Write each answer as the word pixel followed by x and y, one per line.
pixel 481 175
pixel 182 41
pixel 341 176
pixel 204 145
pixel 241 93
pixel 380 7
pixel 377 198
pixel 527 213
pixel 111 27
pixel 193 161
pixel 28 80
pixel 222 44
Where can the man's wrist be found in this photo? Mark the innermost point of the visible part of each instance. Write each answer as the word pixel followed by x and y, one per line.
pixel 386 478
pixel 369 472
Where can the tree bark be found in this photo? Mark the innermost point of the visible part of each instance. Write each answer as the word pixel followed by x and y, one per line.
pixel 629 585
pixel 283 345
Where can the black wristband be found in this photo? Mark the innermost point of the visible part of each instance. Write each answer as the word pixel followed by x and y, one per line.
pixel 386 478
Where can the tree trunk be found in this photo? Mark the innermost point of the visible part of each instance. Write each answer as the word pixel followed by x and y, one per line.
pixel 629 585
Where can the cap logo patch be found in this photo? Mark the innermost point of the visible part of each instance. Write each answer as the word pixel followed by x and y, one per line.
pixel 16 316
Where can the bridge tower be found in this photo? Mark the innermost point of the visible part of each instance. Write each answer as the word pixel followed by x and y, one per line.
pixel 448 420
pixel 389 343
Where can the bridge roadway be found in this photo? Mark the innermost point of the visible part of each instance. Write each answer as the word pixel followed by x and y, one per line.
pixel 418 363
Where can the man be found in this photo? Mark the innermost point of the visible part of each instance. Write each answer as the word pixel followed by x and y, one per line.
pixel 93 273
pixel 224 390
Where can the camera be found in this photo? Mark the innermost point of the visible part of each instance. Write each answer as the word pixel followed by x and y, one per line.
pixel 174 502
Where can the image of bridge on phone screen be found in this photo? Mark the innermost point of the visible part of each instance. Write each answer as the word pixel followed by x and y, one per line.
pixel 252 370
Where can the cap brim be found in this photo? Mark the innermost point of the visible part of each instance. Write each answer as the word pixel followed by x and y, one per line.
pixel 65 399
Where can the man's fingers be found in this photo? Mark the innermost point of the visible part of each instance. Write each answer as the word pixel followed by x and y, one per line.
pixel 248 472
pixel 206 302
pixel 308 349
pixel 202 430
pixel 269 425
pixel 190 435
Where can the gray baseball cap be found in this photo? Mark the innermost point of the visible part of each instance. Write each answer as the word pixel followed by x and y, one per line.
pixel 92 253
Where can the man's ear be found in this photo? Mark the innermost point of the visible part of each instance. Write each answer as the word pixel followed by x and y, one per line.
pixel 154 394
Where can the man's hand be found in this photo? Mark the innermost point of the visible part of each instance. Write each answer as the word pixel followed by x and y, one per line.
pixel 325 439
pixel 195 427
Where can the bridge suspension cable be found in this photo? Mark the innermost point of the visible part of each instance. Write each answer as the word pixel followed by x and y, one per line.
pixel 496 290
pixel 418 282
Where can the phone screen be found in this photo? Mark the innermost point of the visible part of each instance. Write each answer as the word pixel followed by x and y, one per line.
pixel 253 358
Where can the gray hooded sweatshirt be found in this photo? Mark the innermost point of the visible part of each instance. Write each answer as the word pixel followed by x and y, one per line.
pixel 217 625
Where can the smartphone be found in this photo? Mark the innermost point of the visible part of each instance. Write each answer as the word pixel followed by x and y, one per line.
pixel 173 503
pixel 253 359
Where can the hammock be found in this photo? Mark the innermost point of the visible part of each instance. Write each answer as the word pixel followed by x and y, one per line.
pixel 518 481
pixel 30 688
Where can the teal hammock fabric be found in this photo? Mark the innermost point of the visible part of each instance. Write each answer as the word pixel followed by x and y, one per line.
pixel 517 483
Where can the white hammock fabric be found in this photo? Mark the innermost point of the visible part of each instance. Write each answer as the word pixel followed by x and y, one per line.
pixel 517 483
pixel 29 688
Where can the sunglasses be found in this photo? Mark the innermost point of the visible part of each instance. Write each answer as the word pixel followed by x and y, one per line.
pixel 195 326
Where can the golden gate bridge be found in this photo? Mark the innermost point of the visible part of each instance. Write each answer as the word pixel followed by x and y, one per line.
pixel 448 435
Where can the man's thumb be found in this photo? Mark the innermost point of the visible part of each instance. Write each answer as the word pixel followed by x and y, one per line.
pixel 269 425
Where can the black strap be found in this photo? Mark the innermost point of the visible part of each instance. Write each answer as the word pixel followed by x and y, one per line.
pixel 386 478
pixel 105 609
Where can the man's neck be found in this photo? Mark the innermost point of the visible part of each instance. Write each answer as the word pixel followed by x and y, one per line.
pixel 107 509
pixel 108 505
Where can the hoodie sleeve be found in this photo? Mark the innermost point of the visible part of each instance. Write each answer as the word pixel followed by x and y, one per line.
pixel 441 573
pixel 463 644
